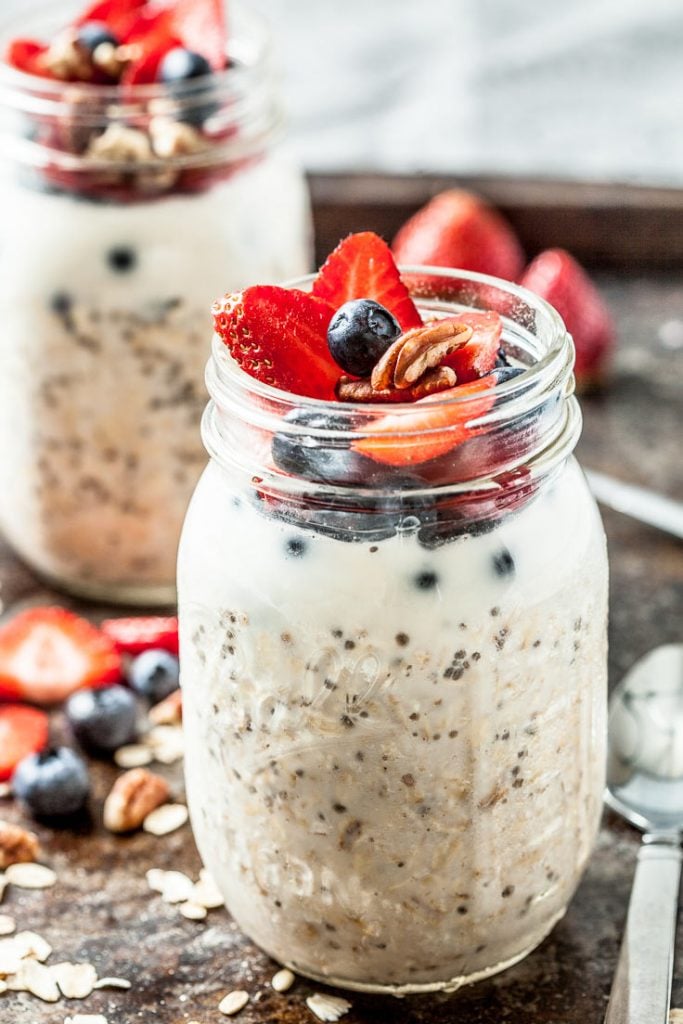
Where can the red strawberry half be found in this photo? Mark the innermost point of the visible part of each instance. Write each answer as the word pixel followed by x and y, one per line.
pixel 25 54
pixel 458 229
pixel 47 653
pixel 433 427
pixel 134 635
pixel 362 267
pixel 201 26
pixel 279 336
pixel 118 15
pixel 478 356
pixel 558 278
pixel 22 731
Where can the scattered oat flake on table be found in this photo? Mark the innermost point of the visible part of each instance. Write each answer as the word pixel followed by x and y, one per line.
pixel 37 979
pixel 3 885
pixel 30 876
pixel 112 983
pixel 283 980
pixel 76 981
pixel 206 892
pixel 155 879
pixel 3 986
pixel 328 1008
pixel 165 819
pixel 233 1002
pixel 166 743
pixel 193 911
pixel 7 924
pixel 32 946
pixel 176 887
pixel 134 755
pixel 676 1016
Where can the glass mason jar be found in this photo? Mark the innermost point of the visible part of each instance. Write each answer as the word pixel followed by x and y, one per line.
pixel 394 679
pixel 124 213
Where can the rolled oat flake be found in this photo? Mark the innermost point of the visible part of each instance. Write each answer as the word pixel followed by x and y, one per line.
pixel 233 1002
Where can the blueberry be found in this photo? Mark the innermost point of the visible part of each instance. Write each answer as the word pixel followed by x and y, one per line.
pixel 315 458
pixel 122 259
pixel 54 783
pixel 502 358
pixel 154 674
pixel 504 563
pixel 180 64
pixel 295 547
pixel 505 373
pixel 359 334
pixel 102 720
pixel 93 33
pixel 61 303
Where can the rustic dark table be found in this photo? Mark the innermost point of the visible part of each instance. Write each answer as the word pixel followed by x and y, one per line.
pixel 101 909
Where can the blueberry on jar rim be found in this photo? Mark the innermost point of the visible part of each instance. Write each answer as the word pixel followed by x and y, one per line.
pixel 181 65
pixel 95 33
pixel 359 334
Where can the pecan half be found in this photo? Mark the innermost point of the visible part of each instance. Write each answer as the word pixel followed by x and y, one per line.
pixel 17 846
pixel 417 351
pixel 133 796
pixel 438 379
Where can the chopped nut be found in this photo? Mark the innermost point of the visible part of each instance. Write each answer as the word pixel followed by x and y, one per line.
pixel 165 819
pixel 133 796
pixel 17 845
pixel 438 379
pixel 169 711
pixel 193 911
pixel 133 755
pixel 175 138
pixel 113 60
pixel 76 981
pixel 233 1002
pixel 67 59
pixel 30 876
pixel 417 351
pixel 328 1008
pixel 7 924
pixel 121 145
pixel 283 980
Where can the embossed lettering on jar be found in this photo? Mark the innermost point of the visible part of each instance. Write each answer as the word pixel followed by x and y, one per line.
pixel 120 224
pixel 394 692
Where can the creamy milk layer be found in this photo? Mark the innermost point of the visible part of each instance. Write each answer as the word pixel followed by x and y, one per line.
pixel 106 333
pixel 395 755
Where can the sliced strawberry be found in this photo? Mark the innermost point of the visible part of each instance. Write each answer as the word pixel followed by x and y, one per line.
pixel 47 652
pixel 22 731
pixel 117 15
pixel 279 336
pixel 426 433
pixel 145 70
pixel 558 278
pixel 458 229
pixel 25 54
pixel 478 356
pixel 362 267
pixel 201 26
pixel 137 634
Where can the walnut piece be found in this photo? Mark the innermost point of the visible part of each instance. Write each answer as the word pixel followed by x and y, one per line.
pixel 133 796
pixel 122 145
pixel 440 378
pixel 169 711
pixel 67 59
pixel 17 846
pixel 175 138
pixel 421 349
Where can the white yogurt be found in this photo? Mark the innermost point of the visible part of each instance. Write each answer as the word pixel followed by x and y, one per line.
pixel 394 755
pixel 101 369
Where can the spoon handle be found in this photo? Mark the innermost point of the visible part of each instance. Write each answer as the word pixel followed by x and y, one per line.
pixel 641 990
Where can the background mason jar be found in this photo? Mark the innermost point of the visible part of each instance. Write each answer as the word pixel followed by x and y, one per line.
pixel 121 224
pixel 394 678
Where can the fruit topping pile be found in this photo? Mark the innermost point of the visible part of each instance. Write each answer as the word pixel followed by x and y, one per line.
pixel 131 42
pixel 358 337
pixel 100 678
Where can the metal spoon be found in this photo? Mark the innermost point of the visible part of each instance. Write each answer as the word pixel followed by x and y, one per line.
pixel 645 785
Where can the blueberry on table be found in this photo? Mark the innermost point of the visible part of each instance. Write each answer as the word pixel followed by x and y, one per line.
pixel 103 720
pixel 180 64
pixel 154 675
pixel 359 334
pixel 93 33
pixel 52 784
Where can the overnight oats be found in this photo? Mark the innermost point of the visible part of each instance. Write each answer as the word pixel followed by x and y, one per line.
pixel 141 171
pixel 393 589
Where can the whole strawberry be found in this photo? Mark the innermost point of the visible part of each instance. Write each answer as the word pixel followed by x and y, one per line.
pixel 458 229
pixel 558 278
